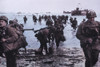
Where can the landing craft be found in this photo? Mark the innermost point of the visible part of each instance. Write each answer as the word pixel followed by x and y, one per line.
pixel 78 12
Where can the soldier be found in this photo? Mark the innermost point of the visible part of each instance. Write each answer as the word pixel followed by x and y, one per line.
pixel 89 35
pixel 40 18
pixel 19 30
pixel 34 19
pixel 42 36
pixel 15 25
pixel 7 38
pixel 74 24
pixel 58 33
pixel 25 19
pixel 71 19
pixel 49 22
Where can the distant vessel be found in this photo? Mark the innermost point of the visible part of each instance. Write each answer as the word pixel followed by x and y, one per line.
pixel 66 12
pixel 79 12
pixel 19 12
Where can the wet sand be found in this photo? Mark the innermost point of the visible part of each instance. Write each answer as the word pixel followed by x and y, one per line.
pixel 62 57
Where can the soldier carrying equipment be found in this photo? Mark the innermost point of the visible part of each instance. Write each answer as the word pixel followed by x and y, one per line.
pixel 89 35
pixel 8 37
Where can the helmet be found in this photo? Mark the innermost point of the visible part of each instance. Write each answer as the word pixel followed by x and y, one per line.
pixel 11 21
pixel 91 14
pixel 4 18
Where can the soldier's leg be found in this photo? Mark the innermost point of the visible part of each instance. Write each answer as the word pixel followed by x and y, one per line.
pixel 10 59
pixel 87 53
pixel 45 47
pixel 57 43
pixel 53 38
pixel 95 54
pixel 41 48
pixel 1 51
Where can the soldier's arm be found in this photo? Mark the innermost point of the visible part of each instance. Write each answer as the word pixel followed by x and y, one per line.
pixel 99 29
pixel 12 35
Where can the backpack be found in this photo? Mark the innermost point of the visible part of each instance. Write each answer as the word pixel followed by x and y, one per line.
pixel 19 43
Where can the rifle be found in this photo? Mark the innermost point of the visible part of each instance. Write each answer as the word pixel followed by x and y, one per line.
pixel 41 29
pixel 28 29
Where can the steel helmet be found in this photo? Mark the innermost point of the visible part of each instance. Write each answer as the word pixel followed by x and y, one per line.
pixel 91 14
pixel 4 18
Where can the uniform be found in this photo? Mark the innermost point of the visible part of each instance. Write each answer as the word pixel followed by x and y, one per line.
pixel 8 38
pixel 88 33
pixel 42 36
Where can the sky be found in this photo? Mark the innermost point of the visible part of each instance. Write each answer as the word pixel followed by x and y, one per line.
pixel 32 6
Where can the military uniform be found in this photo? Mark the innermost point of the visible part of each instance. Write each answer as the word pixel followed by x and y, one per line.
pixel 88 33
pixel 9 53
pixel 8 39
pixel 11 37
pixel 42 36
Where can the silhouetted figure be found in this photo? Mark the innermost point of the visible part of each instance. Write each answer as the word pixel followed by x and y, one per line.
pixel 25 19
pixel 34 19
pixel 74 24
pixel 49 22
pixel 40 18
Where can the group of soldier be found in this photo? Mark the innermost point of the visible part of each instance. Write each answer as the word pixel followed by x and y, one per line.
pixel 73 23
pixel 12 38
pixel 47 18
pixel 53 31
pixel 53 20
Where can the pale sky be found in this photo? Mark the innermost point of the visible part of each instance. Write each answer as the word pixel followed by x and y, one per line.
pixel 47 5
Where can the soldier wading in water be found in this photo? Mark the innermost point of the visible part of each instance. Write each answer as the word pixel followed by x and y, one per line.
pixel 89 35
